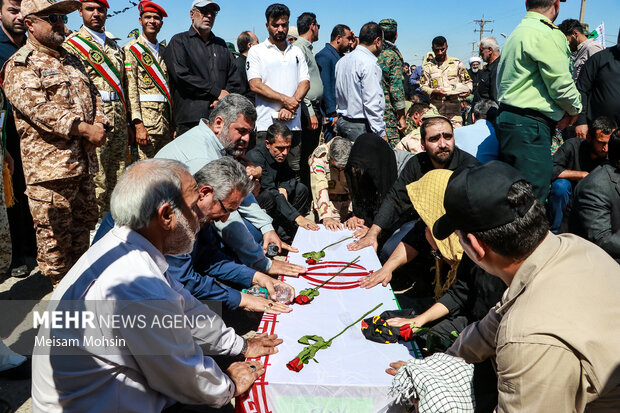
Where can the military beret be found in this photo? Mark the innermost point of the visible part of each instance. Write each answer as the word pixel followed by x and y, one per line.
pixel 146 6
pixel 387 24
pixel 102 2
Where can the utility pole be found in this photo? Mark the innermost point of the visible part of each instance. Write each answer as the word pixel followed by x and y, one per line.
pixel 582 14
pixel 482 23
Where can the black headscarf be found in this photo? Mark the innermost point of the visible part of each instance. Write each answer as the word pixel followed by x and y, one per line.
pixel 371 171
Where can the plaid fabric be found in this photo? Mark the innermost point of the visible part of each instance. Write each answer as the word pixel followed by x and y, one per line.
pixel 442 383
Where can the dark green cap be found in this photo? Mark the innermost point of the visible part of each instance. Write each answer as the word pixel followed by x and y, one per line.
pixel 387 24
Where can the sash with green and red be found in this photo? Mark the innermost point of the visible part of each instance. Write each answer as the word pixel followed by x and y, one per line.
pixel 100 62
pixel 155 72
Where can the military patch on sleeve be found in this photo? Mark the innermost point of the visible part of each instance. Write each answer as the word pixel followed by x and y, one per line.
pixel 128 66
pixel 147 80
pixel 319 169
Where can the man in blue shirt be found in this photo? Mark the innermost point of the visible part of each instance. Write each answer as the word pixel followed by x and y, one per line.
pixel 479 139
pixel 340 42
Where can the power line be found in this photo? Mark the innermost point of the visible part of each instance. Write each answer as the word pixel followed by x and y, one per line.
pixel 482 23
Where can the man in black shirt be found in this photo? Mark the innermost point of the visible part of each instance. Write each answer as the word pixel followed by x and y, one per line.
pixel 437 139
pixel 202 70
pixel 279 184
pixel 487 86
pixel 599 85
pixel 572 162
pixel 245 41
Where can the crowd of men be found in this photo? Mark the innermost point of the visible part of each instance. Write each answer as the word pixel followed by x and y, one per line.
pixel 197 166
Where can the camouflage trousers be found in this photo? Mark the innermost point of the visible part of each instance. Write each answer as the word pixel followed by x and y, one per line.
pixel 451 109
pixel 156 142
pixel 5 234
pixel 111 157
pixel 64 211
pixel 391 130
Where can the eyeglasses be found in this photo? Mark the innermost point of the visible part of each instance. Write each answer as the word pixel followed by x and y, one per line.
pixel 223 207
pixel 207 10
pixel 54 18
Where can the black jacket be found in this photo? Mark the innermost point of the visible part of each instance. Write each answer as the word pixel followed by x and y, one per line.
pixel 595 211
pixel 487 84
pixel 198 72
pixel 599 85
pixel 275 175
pixel 574 155
pixel 474 293
pixel 397 205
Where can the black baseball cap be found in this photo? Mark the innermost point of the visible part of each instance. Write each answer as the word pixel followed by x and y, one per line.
pixel 476 200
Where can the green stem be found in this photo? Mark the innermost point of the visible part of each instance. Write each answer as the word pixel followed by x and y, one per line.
pixel 331 245
pixel 354 323
pixel 333 276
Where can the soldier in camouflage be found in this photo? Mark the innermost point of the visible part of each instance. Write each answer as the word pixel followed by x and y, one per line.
pixel 391 63
pixel 104 61
pixel 331 201
pixel 147 83
pixel 417 113
pixel 444 80
pixel 59 116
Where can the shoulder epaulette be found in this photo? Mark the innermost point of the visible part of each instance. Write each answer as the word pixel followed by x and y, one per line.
pixel 546 23
pixel 21 56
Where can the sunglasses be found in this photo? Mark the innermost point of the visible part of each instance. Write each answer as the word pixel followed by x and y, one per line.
pixel 207 10
pixel 55 18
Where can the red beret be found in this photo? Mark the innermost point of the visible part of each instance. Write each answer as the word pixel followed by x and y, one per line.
pixel 147 5
pixel 102 2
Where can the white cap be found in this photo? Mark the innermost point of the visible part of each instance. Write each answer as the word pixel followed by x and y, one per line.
pixel 202 3
pixel 475 59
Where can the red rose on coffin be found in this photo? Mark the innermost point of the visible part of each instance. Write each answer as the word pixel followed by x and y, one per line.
pixel 302 299
pixel 406 333
pixel 295 365
pixel 311 261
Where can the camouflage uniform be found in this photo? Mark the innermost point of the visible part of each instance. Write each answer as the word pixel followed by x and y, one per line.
pixel 5 234
pixel 113 154
pixel 412 142
pixel 50 92
pixel 391 63
pixel 146 101
pixel 330 194
pixel 451 77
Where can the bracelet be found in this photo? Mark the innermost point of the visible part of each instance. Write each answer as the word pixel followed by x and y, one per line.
pixel 244 349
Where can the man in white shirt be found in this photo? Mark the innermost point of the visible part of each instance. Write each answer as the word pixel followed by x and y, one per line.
pixel 360 101
pixel 145 366
pixel 278 74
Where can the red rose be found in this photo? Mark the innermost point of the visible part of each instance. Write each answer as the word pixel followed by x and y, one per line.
pixel 406 333
pixel 295 365
pixel 311 261
pixel 302 299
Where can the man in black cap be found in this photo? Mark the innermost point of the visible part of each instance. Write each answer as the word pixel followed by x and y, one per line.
pixel 551 333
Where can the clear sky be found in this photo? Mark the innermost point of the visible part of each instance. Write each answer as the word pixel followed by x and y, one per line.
pixel 418 22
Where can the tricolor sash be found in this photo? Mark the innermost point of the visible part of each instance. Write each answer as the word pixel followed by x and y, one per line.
pixel 155 72
pixel 100 62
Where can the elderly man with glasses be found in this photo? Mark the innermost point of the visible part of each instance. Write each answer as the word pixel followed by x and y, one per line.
pixel 202 70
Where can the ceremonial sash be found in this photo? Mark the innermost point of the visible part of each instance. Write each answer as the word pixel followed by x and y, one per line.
pixel 100 62
pixel 149 63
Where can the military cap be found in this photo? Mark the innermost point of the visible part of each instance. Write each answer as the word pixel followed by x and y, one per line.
pixel 387 24
pixel 431 113
pixel 36 6
pixel 104 3
pixel 149 6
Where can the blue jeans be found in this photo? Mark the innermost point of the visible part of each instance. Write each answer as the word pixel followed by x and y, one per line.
pixel 560 195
